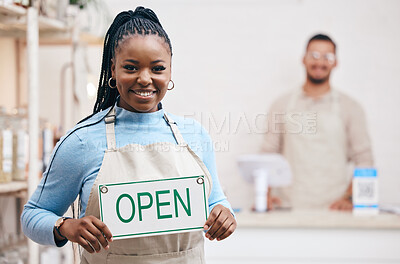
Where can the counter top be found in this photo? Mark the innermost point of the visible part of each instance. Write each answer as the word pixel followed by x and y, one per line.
pixel 316 219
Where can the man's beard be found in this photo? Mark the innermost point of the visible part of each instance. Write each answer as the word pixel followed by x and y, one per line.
pixel 317 81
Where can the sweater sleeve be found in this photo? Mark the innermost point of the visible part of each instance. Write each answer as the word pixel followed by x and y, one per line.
pixel 57 190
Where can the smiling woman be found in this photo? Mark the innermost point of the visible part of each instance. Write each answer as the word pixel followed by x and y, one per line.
pixel 129 138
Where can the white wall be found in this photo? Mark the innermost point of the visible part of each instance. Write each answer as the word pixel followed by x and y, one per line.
pixel 233 58
pixel 54 61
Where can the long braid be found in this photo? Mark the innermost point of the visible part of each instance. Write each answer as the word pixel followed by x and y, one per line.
pixel 103 92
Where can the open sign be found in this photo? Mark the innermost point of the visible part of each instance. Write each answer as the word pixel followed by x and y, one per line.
pixel 145 208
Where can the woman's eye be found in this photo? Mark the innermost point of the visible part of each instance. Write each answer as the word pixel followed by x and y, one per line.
pixel 158 68
pixel 130 67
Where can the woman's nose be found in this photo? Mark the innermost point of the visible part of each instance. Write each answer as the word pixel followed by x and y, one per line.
pixel 144 78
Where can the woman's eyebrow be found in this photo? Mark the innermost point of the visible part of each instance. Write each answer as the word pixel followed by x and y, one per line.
pixel 137 62
pixel 133 61
pixel 157 61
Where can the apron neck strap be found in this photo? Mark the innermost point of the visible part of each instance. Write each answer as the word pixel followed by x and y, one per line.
pixel 110 131
pixel 335 102
pixel 175 131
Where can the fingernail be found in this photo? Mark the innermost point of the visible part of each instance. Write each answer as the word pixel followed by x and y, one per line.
pixel 206 227
pixel 107 247
pixel 111 239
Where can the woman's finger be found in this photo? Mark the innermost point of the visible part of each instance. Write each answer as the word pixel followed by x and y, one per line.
pixel 89 237
pixel 99 236
pixel 103 229
pixel 216 225
pixel 228 232
pixel 211 218
pixel 223 227
pixel 85 244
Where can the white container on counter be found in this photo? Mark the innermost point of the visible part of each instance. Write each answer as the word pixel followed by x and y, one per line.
pixel 365 191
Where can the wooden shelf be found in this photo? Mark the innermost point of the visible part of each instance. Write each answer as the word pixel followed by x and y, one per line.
pixel 11 10
pixel 16 26
pixel 50 24
pixel 13 22
pixel 13 188
pixel 51 31
pixel 65 38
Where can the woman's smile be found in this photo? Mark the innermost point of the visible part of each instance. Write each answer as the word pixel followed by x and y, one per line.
pixel 144 94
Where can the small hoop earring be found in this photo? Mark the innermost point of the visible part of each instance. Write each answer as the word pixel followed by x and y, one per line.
pixel 173 85
pixel 109 83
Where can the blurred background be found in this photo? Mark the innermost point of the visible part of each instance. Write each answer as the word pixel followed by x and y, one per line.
pixel 231 59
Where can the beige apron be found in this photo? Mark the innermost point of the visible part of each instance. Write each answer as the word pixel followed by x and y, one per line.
pixel 138 162
pixel 317 158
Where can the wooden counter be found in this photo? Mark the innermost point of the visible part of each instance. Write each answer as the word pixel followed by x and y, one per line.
pixel 300 237
pixel 316 219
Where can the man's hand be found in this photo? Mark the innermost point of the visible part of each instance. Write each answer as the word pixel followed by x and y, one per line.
pixel 88 231
pixel 343 204
pixel 273 202
pixel 220 223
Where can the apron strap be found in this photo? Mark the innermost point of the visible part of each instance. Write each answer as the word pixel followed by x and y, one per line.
pixel 175 131
pixel 292 101
pixel 335 102
pixel 110 131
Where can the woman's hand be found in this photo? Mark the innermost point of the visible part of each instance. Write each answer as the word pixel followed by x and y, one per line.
pixel 88 231
pixel 220 223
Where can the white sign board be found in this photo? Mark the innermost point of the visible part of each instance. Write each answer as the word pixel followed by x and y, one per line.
pixel 154 207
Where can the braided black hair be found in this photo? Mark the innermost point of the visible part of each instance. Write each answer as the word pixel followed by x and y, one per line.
pixel 142 21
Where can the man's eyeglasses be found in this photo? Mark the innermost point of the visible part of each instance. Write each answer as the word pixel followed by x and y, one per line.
pixel 315 55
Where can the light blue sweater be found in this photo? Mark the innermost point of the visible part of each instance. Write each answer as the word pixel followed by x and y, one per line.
pixel 77 158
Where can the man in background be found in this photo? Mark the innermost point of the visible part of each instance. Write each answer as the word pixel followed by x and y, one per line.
pixel 321 131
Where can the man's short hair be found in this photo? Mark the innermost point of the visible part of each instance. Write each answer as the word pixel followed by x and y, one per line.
pixel 321 37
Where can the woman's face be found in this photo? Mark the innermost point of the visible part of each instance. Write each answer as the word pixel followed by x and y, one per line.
pixel 142 70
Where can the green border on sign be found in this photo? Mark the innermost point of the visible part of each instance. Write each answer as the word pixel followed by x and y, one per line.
pixel 168 179
pixel 159 232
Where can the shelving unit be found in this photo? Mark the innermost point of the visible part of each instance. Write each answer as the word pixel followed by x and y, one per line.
pixel 14 188
pixel 15 18
pixel 12 10
pixel 33 30
pixel 51 31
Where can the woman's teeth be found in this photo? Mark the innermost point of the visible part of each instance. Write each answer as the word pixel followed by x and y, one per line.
pixel 144 94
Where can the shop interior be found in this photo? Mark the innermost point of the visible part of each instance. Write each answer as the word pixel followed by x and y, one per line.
pixel 231 60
